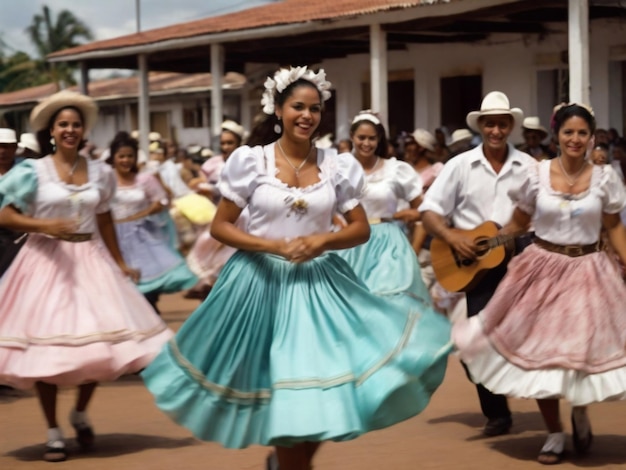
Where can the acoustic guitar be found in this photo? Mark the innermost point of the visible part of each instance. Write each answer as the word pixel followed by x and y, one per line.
pixel 458 274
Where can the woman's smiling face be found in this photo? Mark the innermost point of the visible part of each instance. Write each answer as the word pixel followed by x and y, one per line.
pixel 67 129
pixel 301 113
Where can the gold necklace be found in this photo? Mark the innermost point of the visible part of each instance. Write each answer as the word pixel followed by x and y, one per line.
pixel 296 169
pixel 571 182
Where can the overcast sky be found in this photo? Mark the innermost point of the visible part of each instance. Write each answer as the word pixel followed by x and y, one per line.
pixel 110 18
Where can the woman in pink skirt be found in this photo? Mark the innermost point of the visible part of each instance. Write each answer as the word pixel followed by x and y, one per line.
pixel 208 256
pixel 556 326
pixel 70 315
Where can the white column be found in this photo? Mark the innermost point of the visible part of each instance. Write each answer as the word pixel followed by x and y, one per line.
pixel 84 78
pixel 128 118
pixel 217 74
pixel 378 66
pixel 144 103
pixel 578 39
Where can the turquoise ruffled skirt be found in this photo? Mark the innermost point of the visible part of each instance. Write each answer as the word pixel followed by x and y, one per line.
pixel 387 264
pixel 281 353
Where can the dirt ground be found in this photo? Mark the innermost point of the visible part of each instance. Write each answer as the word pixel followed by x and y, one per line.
pixel 133 434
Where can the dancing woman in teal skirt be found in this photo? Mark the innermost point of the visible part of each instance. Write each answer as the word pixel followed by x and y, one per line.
pixel 291 348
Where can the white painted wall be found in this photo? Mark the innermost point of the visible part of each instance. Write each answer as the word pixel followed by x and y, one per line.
pixel 508 63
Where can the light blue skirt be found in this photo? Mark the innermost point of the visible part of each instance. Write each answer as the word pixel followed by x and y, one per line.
pixel 281 353
pixel 387 264
pixel 145 246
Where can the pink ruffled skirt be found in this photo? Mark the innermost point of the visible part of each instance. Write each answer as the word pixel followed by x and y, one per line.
pixel 555 328
pixel 207 257
pixel 69 316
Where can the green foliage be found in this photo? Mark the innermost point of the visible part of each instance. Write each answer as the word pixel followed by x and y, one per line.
pixel 48 34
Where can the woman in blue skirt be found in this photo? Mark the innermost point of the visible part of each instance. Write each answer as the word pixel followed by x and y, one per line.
pixel 386 263
pixel 290 348
pixel 138 200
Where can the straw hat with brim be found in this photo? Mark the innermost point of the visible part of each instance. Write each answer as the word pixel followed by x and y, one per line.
pixel 424 139
pixel 43 112
pixel 153 136
pixel 460 135
pixel 233 127
pixel 532 123
pixel 494 103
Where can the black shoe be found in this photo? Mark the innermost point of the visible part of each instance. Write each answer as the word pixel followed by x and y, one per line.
pixel 497 426
pixel 581 443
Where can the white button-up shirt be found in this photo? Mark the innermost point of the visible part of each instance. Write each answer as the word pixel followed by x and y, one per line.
pixel 469 192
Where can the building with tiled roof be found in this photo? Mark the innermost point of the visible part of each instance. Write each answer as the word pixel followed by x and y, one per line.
pixel 420 63
pixel 180 105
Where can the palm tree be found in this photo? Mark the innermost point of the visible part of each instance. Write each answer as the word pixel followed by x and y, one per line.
pixel 50 36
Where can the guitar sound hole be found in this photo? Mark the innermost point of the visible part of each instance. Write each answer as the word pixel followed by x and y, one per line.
pixel 467 262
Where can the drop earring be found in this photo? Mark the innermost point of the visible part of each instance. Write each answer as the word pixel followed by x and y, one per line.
pixel 54 144
pixel 277 127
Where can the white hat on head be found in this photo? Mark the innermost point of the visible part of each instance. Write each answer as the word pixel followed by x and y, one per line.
pixel 534 124
pixel 194 149
pixel 233 127
pixel 29 141
pixel 460 135
pixel 152 136
pixel 424 139
pixel 7 136
pixel 494 103
pixel 43 112
pixel 206 152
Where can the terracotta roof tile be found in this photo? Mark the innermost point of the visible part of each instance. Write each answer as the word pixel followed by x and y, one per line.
pixel 126 87
pixel 285 12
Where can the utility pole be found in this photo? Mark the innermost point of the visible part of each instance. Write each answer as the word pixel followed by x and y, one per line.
pixel 138 14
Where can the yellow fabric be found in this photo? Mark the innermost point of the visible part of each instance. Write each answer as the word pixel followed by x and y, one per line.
pixel 198 209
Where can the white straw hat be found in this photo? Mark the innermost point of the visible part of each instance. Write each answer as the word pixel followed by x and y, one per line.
pixel 460 135
pixel 534 124
pixel 152 136
pixel 233 127
pixel 43 112
pixel 494 103
pixel 7 136
pixel 424 139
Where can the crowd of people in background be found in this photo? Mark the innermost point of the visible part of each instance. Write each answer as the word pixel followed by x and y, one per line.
pixel 282 220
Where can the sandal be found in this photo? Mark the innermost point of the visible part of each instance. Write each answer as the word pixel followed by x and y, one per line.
pixel 55 447
pixel 84 432
pixel 581 443
pixel 548 457
pixel 55 454
pixel 553 450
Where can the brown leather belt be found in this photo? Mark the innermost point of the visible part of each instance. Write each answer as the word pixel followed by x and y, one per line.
pixel 76 237
pixel 568 250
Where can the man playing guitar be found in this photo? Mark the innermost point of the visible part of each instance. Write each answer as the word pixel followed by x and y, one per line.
pixel 472 189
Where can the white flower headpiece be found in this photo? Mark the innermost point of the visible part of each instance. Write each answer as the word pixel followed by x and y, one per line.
pixel 285 77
